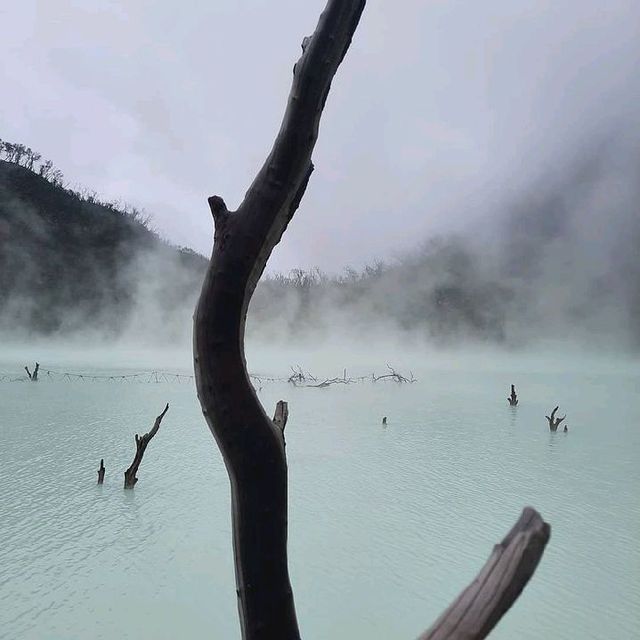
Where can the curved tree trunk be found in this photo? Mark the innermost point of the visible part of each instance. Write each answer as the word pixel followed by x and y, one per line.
pixel 251 443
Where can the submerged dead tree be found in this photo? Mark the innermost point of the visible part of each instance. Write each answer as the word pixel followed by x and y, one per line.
pixel 101 472
pixel 251 443
pixel 33 376
pixel 513 398
pixel 554 422
pixel 141 445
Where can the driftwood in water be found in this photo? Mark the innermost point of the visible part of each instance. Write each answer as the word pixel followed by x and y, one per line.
pixel 141 444
pixel 554 422
pixel 251 443
pixel 33 376
pixel 394 375
pixel 481 605
pixel 513 398
pixel 101 472
pixel 299 377
pixel 384 421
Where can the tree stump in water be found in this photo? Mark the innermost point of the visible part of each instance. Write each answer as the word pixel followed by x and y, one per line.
pixel 141 444
pixel 33 376
pixel 513 398
pixel 101 471
pixel 554 422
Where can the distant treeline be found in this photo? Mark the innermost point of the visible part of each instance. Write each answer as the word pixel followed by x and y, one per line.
pixel 437 293
pixel 559 263
pixel 24 156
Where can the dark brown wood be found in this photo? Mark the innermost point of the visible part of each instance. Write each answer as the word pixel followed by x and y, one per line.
pixel 101 472
pixel 554 422
pixel 513 398
pixel 481 605
pixel 130 478
pixel 281 415
pixel 33 376
pixel 251 444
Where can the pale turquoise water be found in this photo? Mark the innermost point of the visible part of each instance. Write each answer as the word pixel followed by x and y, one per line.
pixel 386 525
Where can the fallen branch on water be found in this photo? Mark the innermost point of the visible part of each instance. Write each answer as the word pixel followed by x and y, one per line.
pixel 395 376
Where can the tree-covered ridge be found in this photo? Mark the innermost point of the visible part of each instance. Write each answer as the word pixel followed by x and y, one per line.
pixel 69 261
pixel 24 156
pixel 560 263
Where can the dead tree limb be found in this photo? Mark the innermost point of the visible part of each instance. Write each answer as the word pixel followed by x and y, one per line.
pixel 281 415
pixel 513 398
pixel 395 376
pixel 251 444
pixel 554 422
pixel 33 376
pixel 141 445
pixel 101 472
pixel 299 377
pixel 481 605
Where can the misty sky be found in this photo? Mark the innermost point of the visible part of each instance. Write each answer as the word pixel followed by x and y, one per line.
pixel 441 110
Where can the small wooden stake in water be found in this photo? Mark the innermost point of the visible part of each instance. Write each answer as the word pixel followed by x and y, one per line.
pixel 384 421
pixel 101 472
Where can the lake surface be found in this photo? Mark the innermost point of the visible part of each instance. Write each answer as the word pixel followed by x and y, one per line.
pixel 387 525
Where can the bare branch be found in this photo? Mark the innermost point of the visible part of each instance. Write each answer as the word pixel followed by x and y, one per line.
pixel 481 605
pixel 141 445
pixel 554 422
pixel 281 415
pixel 250 442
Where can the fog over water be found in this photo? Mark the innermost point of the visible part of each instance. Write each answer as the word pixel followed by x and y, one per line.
pixel 386 524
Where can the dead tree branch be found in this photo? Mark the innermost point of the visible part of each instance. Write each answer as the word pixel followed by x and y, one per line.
pixel 395 376
pixel 481 605
pixel 251 443
pixel 281 416
pixel 554 422
pixel 33 376
pixel 243 242
pixel 299 377
pixel 513 398
pixel 141 445
pixel 101 472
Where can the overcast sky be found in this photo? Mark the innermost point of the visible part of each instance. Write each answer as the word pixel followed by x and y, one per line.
pixel 441 109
